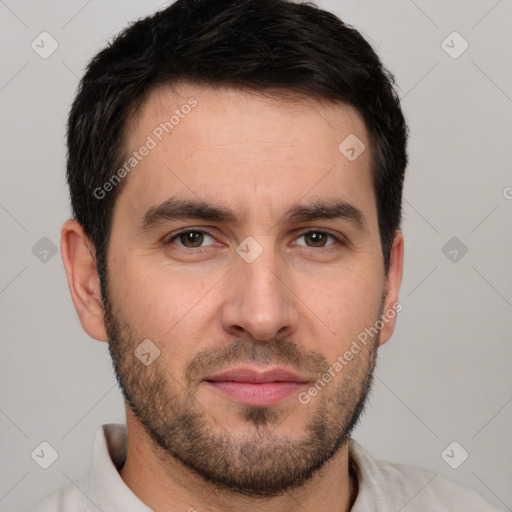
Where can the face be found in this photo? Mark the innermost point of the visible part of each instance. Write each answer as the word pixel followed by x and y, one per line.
pixel 245 251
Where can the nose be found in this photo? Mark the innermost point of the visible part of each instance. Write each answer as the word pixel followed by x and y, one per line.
pixel 260 304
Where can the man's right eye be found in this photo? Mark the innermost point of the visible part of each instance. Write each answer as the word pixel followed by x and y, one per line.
pixel 191 239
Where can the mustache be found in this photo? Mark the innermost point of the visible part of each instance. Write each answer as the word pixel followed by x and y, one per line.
pixel 274 352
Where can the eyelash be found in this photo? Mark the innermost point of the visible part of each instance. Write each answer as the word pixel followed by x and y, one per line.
pixel 334 246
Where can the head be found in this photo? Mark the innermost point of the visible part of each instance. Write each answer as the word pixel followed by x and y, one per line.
pixel 236 171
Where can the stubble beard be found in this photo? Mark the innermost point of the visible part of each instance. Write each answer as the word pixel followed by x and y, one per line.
pixel 262 462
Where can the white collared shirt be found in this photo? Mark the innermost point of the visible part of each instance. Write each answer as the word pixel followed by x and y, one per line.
pixel 383 487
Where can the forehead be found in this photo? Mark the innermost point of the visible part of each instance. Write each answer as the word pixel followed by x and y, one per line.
pixel 244 150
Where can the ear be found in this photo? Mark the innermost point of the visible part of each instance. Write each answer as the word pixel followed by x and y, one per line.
pixel 392 288
pixel 79 260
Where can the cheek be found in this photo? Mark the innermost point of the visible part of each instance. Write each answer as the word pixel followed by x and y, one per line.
pixel 347 304
pixel 163 305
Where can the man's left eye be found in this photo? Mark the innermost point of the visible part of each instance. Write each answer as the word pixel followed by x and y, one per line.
pixel 316 239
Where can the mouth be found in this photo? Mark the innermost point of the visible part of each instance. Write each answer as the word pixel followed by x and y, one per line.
pixel 257 387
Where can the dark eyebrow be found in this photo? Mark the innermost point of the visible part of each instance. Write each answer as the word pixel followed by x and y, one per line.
pixel 173 209
pixel 335 209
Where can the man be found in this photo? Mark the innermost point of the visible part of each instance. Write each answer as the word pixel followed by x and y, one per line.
pixel 236 172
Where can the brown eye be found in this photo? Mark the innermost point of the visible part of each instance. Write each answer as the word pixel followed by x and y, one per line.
pixel 316 239
pixel 191 239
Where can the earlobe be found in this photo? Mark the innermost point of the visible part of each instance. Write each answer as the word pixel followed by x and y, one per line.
pixel 79 262
pixel 392 288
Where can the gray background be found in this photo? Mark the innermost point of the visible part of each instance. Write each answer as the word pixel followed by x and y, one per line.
pixel 443 377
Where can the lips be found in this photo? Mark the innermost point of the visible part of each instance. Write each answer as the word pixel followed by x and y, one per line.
pixel 255 376
pixel 253 386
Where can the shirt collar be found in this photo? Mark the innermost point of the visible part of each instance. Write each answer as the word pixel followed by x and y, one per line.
pixel 105 487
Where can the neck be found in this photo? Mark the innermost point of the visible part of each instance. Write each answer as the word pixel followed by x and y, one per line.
pixel 166 485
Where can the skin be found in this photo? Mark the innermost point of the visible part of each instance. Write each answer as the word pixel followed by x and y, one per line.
pixel 259 157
